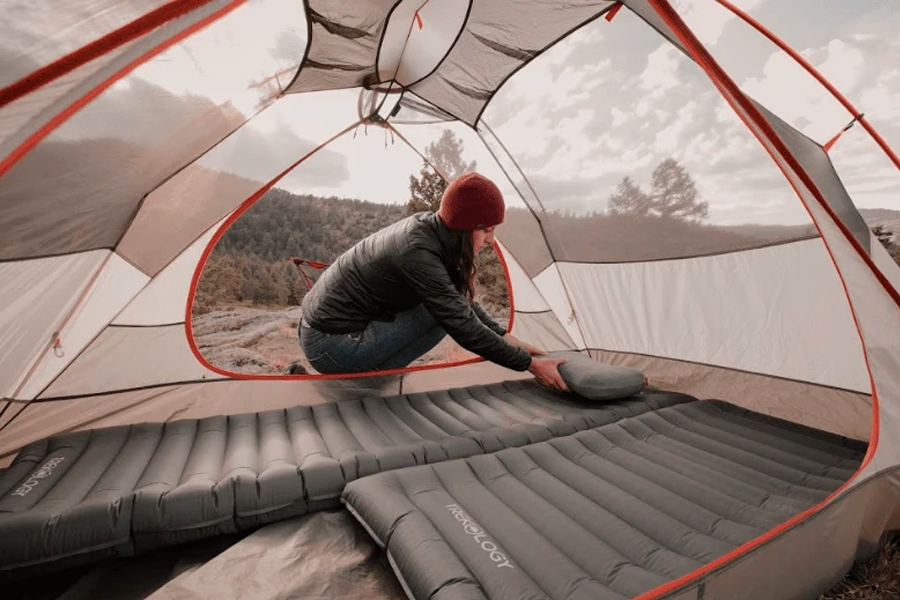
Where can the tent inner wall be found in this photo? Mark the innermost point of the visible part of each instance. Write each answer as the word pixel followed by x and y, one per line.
pixel 719 310
pixel 104 161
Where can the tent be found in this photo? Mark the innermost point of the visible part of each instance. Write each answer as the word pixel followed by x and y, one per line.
pixel 108 210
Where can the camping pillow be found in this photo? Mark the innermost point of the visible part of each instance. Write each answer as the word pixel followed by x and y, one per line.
pixel 597 381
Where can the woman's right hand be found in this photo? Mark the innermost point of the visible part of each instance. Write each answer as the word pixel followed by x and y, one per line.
pixel 546 371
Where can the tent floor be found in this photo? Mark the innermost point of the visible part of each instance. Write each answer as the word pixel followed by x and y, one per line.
pixel 608 513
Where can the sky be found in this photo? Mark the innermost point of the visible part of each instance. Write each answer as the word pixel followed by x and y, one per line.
pixel 612 100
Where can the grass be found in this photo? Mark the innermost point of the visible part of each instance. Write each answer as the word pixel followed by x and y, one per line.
pixel 875 579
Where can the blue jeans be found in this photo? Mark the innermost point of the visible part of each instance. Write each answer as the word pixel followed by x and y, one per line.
pixel 380 346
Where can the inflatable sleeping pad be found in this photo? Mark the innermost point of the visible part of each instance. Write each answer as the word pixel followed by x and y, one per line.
pixel 607 513
pixel 79 497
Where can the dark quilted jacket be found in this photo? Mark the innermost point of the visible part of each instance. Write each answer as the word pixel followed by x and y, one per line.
pixel 394 270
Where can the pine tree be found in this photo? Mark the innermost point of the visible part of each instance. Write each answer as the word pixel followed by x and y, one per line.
pixel 630 199
pixel 674 194
pixel 426 191
pixel 886 237
pixel 446 155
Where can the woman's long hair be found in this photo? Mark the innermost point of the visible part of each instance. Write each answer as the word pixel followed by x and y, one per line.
pixel 462 262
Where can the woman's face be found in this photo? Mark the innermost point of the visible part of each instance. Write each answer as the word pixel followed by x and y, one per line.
pixel 483 237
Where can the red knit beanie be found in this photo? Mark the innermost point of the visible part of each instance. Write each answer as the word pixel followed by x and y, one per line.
pixel 472 201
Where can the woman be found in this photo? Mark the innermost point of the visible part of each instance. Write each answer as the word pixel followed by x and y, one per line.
pixel 393 296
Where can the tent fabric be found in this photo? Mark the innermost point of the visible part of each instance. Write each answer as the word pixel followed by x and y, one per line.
pixel 553 288
pixel 115 491
pixel 611 512
pixel 884 262
pixel 346 41
pixel 45 41
pixel 527 298
pixel 35 296
pixel 407 53
pixel 108 363
pixel 874 300
pixel 485 55
pixel 834 410
pixel 322 555
pixel 542 329
pixel 113 287
pixel 163 299
pixel 105 250
pixel 101 181
pixel 326 554
pixel 21 118
pixel 879 322
pixel 218 194
pixel 631 306
pixel 814 160
pixel 343 44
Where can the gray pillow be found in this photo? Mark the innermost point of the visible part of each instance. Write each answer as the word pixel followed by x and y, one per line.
pixel 597 381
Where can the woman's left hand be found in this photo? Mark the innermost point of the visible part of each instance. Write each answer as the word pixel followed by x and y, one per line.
pixel 532 350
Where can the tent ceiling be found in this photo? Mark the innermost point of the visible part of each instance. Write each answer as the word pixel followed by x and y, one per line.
pixel 455 61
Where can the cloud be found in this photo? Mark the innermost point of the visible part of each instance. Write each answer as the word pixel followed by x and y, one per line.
pixel 661 73
pixel 708 20
pixel 284 133
pixel 261 156
pixel 290 46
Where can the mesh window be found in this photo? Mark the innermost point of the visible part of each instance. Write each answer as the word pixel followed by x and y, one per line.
pixel 635 156
pixel 852 47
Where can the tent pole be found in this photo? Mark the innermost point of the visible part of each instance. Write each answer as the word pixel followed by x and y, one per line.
pixel 819 77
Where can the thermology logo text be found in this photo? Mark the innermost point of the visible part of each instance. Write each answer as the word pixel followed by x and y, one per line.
pixel 36 477
pixel 480 537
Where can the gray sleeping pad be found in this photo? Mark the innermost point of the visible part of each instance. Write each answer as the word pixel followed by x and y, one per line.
pixel 608 514
pixel 80 497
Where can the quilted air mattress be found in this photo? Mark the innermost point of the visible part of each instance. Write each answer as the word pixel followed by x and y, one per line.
pixel 607 513
pixel 80 497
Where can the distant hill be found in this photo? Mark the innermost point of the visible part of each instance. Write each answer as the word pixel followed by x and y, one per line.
pixel 622 238
pixel 282 224
pixel 880 214
pixel 887 218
